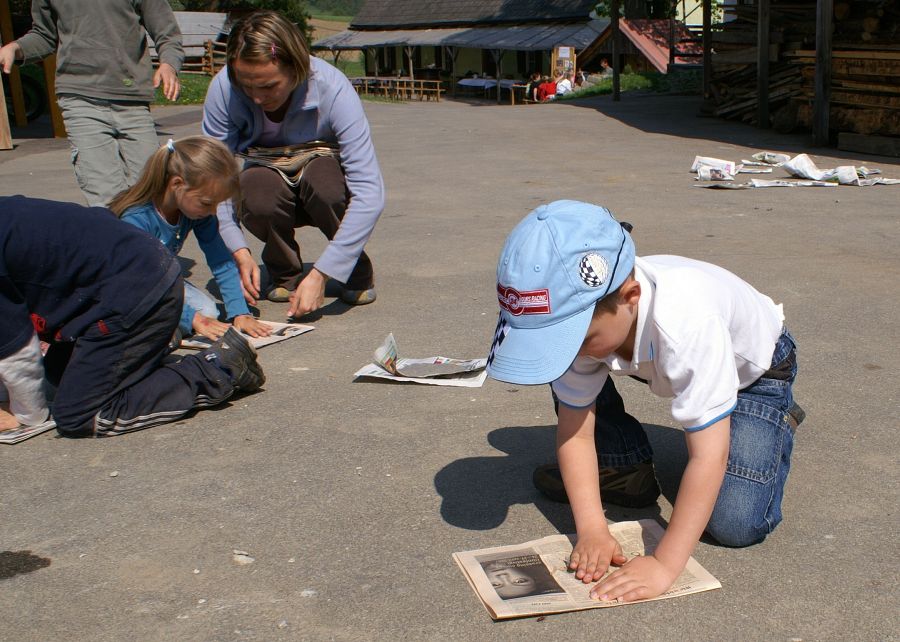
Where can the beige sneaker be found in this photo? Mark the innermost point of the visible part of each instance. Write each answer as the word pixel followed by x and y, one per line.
pixel 279 295
pixel 358 297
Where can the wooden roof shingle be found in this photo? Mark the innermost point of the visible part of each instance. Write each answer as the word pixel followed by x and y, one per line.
pixel 394 14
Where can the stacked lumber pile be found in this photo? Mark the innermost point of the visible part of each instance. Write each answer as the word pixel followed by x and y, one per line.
pixel 865 94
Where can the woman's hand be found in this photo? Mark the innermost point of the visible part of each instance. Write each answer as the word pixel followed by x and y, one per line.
pixel 309 295
pixel 208 327
pixel 593 554
pixel 250 326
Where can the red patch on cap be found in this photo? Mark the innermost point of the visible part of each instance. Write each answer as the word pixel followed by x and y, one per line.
pixel 518 303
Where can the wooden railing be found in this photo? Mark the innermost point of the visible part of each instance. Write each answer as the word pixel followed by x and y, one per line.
pixel 398 88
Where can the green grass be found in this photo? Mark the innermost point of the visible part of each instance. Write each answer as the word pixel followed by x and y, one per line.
pixel 193 90
pixel 681 82
pixel 627 82
pixel 351 68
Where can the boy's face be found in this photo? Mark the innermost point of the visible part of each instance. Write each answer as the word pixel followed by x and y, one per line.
pixel 613 331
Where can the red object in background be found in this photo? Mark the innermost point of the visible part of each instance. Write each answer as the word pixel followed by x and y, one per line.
pixel 545 90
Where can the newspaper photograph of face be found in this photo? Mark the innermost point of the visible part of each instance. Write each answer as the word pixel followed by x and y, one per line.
pixel 519 574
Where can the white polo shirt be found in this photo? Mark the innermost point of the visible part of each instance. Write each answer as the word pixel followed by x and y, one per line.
pixel 702 335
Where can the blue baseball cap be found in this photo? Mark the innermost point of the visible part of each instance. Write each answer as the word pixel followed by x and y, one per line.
pixel 556 264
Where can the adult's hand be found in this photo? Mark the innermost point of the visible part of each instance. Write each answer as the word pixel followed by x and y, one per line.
pixel 168 77
pixel 8 55
pixel 309 295
pixel 249 272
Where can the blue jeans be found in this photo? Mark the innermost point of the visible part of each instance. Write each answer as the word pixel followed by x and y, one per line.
pixel 759 459
pixel 201 302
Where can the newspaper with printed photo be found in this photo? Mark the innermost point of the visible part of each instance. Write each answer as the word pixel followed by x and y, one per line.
pixel 437 371
pixel 280 332
pixel 533 578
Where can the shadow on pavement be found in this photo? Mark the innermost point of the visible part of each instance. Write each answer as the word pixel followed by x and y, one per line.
pixel 477 492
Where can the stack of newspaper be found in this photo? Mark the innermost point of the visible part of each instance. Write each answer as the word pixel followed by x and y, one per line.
pixel 436 371
pixel 533 578
pixel 21 433
pixel 289 160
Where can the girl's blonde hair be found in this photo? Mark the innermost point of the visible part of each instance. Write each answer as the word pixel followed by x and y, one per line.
pixel 198 160
pixel 267 36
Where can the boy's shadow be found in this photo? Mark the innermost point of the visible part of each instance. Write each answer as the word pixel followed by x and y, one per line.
pixel 477 492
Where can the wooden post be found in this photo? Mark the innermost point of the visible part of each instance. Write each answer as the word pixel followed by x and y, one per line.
pixel 616 49
pixel 707 50
pixel 822 101
pixel 59 128
pixel 5 136
pixel 762 65
pixel 672 41
pixel 15 80
pixel 409 54
pixel 497 54
pixel 454 52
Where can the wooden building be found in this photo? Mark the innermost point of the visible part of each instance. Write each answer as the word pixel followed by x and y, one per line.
pixel 443 39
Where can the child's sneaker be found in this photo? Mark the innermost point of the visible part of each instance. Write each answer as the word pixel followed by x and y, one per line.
pixel 630 486
pixel 234 354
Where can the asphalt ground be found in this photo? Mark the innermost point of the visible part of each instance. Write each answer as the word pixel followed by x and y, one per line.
pixel 351 497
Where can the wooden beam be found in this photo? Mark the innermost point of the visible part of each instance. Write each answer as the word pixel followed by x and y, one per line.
pixel 409 54
pixel 454 52
pixel 15 80
pixel 707 50
pixel 762 65
pixel 5 136
pixel 59 128
pixel 822 101
pixel 497 54
pixel 616 49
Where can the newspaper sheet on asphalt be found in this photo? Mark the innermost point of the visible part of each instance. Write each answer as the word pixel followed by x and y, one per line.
pixel 712 172
pixel 533 579
pixel 437 371
pixel 280 332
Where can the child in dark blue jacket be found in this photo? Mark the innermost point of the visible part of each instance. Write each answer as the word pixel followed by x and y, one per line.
pixel 107 298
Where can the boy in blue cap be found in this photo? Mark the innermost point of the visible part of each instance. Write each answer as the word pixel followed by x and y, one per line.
pixel 577 305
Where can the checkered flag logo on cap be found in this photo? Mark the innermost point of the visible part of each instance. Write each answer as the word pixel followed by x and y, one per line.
pixel 593 269
pixel 499 335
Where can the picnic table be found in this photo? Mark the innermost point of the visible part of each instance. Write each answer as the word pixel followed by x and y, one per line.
pixel 487 84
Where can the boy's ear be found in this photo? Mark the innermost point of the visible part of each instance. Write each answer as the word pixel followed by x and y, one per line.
pixel 630 292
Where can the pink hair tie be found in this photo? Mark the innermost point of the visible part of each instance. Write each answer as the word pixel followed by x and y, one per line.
pixel 272 49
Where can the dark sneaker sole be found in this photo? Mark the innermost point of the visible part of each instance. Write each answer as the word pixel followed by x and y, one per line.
pixel 252 377
pixel 548 480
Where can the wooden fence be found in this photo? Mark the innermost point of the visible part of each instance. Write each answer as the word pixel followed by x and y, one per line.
pixel 206 58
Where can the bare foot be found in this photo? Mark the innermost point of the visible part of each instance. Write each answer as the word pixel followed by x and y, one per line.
pixel 7 421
